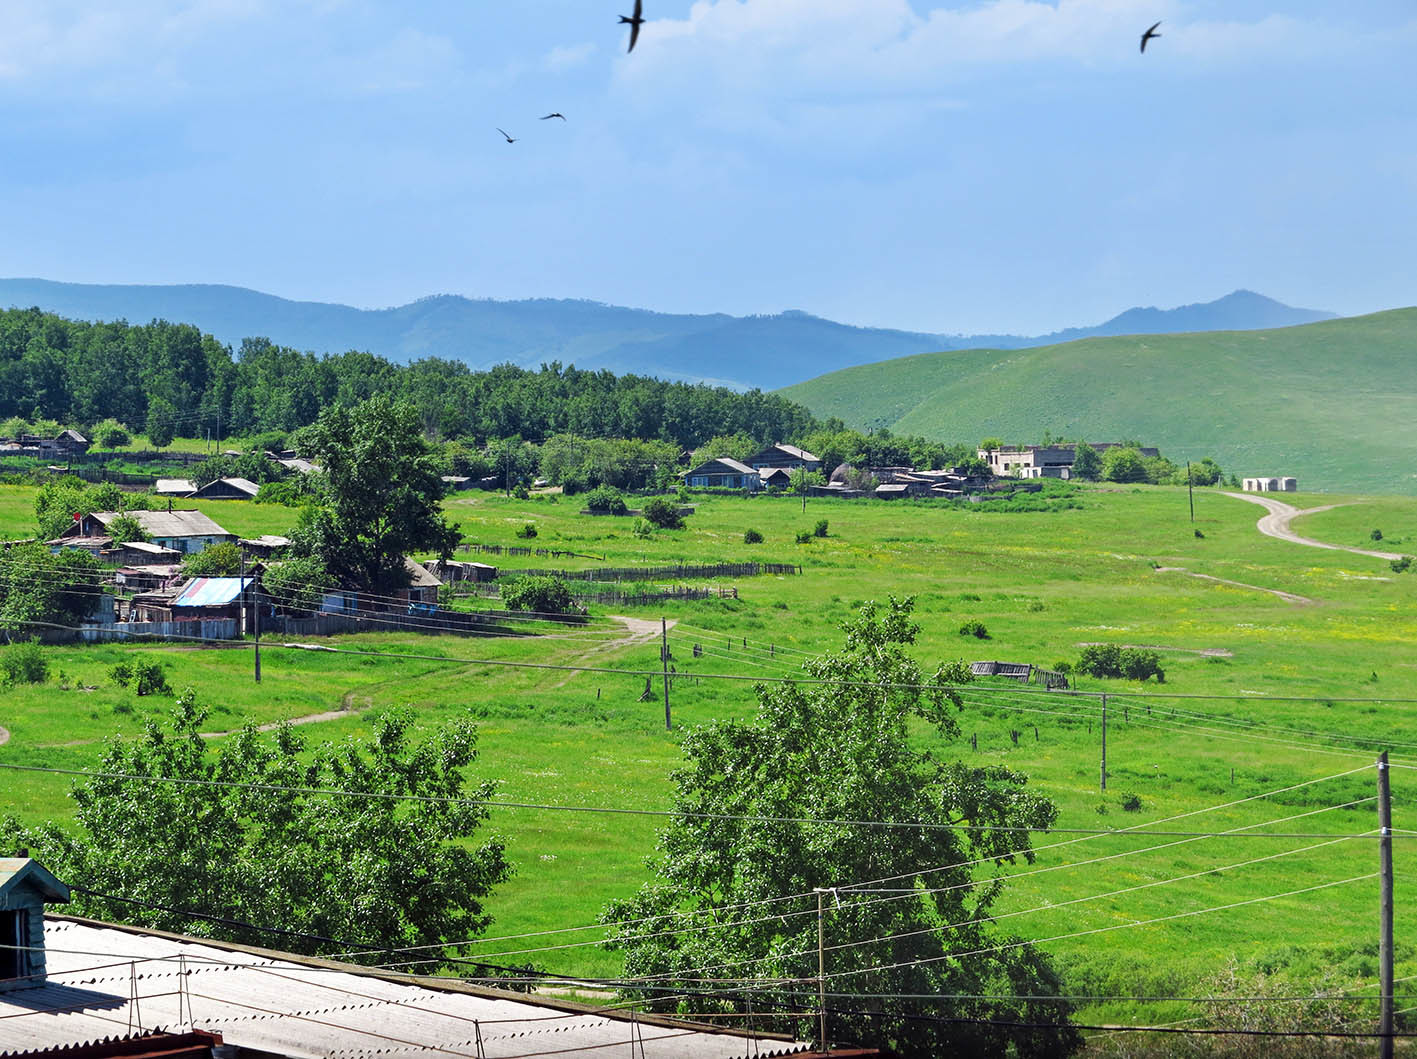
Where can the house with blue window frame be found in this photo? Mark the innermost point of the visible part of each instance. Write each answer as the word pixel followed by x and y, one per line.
pixel 724 473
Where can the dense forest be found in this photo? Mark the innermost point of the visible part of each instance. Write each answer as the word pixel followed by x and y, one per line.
pixel 82 373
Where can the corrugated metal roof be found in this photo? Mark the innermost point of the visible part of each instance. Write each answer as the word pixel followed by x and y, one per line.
pixel 210 591
pixel 182 486
pixel 311 1009
pixel 150 549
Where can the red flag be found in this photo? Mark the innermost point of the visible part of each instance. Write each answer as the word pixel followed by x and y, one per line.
pixel 77 517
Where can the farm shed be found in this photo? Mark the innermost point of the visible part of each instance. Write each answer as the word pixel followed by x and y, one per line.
pixel 1271 485
pixel 206 598
pixel 1020 671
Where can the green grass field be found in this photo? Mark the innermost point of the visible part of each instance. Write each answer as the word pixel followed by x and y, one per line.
pixel 1332 402
pixel 1120 568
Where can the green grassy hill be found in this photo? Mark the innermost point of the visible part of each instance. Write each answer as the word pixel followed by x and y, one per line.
pixel 1334 403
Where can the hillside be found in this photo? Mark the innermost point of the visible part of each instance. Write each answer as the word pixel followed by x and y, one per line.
pixel 742 352
pixel 1334 403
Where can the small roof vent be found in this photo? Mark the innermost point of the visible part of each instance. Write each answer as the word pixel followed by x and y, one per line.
pixel 25 888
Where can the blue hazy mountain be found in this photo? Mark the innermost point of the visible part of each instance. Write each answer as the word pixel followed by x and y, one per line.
pixel 762 351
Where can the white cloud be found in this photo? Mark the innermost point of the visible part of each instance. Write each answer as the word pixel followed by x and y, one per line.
pixel 568 57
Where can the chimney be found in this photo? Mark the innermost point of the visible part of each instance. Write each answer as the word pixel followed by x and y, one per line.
pixel 25 888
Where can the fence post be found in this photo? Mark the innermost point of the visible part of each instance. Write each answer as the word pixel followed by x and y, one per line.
pixel 664 661
pixel 1385 1027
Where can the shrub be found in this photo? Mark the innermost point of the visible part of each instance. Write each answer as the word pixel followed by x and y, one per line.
pixel 977 629
pixel 1065 667
pixel 1108 660
pixel 820 529
pixel 527 532
pixel 143 676
pixel 544 595
pixel 752 536
pixel 643 529
pixel 521 492
pixel 288 493
pixel 1199 535
pixel 606 500
pixel 1131 803
pixel 111 434
pixel 1376 535
pixel 664 514
pixel 1400 565
pixel 24 663
pixel 804 537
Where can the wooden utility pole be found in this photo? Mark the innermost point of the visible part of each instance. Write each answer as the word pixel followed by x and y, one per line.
pixel 1385 1027
pixel 256 605
pixel 821 976
pixel 1191 490
pixel 664 661
pixel 1104 742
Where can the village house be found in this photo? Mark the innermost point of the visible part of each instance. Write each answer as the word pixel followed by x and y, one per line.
pixel 1044 461
pixel 175 487
pixel 66 443
pixel 187 532
pixel 724 473
pixel 83 982
pixel 786 457
pixel 228 489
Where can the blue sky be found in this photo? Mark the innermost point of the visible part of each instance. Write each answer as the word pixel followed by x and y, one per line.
pixel 1004 165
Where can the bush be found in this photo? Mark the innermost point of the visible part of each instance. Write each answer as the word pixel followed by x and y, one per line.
pixel 24 663
pixel 1131 803
pixel 606 500
pixel 977 629
pixel 820 529
pixel 527 532
pixel 643 529
pixel 1376 535
pixel 543 595
pixel 143 676
pixel 752 536
pixel 289 493
pixel 1400 565
pixel 111 434
pixel 804 537
pixel 521 492
pixel 1065 667
pixel 664 514
pixel 1107 660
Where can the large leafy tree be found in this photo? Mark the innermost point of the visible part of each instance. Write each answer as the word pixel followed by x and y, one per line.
pixel 377 495
pixel 38 587
pixel 905 954
pixel 383 872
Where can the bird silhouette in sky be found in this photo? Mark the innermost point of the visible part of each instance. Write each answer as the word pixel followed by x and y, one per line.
pixel 504 133
pixel 634 22
pixel 553 114
pixel 1150 34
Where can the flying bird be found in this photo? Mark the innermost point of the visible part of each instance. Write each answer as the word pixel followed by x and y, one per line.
pixel 504 133
pixel 553 114
pixel 1149 35
pixel 634 22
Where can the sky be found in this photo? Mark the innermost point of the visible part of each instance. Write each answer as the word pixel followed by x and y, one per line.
pixel 994 166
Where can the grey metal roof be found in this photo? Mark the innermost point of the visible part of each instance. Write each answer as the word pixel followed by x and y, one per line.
pixel 169 523
pixel 312 1009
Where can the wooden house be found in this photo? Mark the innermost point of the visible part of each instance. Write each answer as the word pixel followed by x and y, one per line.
pixel 228 489
pixel 787 457
pixel 187 532
pixel 724 473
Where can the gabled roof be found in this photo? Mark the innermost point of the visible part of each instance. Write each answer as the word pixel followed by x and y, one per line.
pixel 789 450
pixel 211 591
pixel 18 873
pixel 168 523
pixel 241 485
pixel 180 486
pixel 421 577
pixel 727 462
pixel 72 435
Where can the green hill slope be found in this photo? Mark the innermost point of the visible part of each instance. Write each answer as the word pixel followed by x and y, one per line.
pixel 1334 403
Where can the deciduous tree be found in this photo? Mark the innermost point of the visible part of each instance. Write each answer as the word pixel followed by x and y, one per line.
pixel 831 787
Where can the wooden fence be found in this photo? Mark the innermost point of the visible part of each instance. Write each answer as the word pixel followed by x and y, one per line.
pixel 661 573
pixel 127 631
pixel 542 553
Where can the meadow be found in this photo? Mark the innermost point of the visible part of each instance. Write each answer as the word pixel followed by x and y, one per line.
pixel 1262 693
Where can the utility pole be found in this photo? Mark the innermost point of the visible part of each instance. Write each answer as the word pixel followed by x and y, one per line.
pixel 1104 742
pixel 664 661
pixel 821 975
pixel 256 605
pixel 1191 490
pixel 1385 1026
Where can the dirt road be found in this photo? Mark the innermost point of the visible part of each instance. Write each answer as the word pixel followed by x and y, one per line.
pixel 1278 522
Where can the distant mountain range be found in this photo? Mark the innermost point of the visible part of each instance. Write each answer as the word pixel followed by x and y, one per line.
pixel 743 352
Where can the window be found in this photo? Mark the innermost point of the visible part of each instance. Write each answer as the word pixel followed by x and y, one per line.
pixel 14 935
